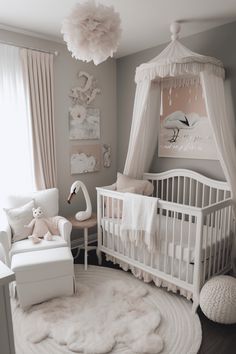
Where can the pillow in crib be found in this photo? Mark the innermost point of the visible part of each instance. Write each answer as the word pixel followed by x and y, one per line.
pixel 117 204
pixel 140 186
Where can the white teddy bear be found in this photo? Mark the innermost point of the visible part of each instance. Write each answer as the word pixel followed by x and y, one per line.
pixel 39 227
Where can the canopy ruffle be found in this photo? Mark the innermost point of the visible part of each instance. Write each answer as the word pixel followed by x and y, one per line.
pixel 175 61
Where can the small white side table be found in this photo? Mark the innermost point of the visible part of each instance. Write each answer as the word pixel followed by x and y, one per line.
pixel 85 226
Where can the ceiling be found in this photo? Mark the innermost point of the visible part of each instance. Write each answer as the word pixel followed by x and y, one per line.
pixel 145 23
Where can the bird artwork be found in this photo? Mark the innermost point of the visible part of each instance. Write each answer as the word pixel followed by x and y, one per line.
pixel 179 120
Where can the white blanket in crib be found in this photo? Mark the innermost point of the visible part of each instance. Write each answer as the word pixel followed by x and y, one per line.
pixel 139 219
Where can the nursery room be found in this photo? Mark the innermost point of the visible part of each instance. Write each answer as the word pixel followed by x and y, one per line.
pixel 118 177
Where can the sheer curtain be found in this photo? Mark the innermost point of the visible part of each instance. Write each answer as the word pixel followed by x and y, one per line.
pixel 143 135
pixel 223 127
pixel 15 138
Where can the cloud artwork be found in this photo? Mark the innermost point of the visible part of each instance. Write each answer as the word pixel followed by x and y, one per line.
pixel 85 158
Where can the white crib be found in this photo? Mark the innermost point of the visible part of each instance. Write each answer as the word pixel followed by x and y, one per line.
pixel 195 230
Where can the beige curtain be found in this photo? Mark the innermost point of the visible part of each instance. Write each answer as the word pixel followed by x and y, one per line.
pixel 38 74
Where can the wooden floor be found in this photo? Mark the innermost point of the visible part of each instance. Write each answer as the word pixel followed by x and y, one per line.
pixel 216 338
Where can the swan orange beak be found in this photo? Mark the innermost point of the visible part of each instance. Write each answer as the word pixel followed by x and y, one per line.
pixel 70 197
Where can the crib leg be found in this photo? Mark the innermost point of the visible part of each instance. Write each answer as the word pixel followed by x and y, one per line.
pixel 195 305
pixel 99 255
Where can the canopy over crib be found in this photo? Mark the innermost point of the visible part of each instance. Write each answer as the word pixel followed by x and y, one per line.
pixel 176 66
pixel 177 60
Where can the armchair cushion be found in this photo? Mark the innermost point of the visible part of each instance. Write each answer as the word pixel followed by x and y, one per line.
pixel 17 218
pixel 29 246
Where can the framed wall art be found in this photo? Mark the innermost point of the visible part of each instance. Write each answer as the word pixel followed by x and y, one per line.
pixel 184 130
pixel 84 123
pixel 85 158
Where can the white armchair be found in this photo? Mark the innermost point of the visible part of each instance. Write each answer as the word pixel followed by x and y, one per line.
pixel 48 201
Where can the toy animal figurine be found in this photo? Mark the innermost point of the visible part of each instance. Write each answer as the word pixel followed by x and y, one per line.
pixel 81 215
pixel 38 227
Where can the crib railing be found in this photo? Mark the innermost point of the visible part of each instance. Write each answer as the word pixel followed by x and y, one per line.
pixel 188 188
pixel 195 242
pixel 220 225
pixel 173 255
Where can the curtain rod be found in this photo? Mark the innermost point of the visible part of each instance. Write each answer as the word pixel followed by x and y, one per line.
pixel 56 53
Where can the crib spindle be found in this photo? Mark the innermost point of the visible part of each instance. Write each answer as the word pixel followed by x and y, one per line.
pixel 181 245
pixel 230 224
pixel 113 224
pixel 210 237
pixel 166 241
pixel 220 238
pixel 216 240
pixel 104 201
pixel 178 189
pixel 160 237
pixel 203 196
pixel 188 251
pixel 173 244
pixel 225 236
pixel 184 187
pixel 210 196
pixel 172 192
pixel 197 191
pixel 205 238
pixel 190 192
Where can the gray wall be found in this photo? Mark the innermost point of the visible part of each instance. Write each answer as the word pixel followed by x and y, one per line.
pixel 65 72
pixel 219 43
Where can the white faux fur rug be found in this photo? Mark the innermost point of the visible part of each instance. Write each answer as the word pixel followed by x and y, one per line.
pixel 112 312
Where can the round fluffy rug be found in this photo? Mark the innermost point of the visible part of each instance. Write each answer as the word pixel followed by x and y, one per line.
pixel 112 312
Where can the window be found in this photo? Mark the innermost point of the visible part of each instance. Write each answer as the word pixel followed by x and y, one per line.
pixel 16 168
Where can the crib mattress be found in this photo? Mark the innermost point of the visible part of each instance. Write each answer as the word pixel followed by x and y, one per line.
pixel 170 242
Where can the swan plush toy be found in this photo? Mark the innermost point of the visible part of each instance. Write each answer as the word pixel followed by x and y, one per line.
pixel 81 215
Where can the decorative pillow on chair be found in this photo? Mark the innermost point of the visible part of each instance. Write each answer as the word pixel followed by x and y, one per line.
pixel 17 218
pixel 140 186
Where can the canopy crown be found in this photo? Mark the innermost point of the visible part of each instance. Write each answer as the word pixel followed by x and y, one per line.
pixel 177 60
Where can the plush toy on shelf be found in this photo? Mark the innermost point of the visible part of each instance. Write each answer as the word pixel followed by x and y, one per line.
pixel 40 227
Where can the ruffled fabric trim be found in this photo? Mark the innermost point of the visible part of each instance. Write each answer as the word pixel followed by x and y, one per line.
pixel 177 60
pixel 148 278
pixel 153 71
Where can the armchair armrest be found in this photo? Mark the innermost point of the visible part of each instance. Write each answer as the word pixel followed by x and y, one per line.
pixel 5 238
pixel 65 227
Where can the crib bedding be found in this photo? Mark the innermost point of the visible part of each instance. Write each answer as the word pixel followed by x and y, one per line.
pixel 167 241
pixel 181 266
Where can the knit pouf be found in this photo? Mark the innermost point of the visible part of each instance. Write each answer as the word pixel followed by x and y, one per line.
pixel 218 299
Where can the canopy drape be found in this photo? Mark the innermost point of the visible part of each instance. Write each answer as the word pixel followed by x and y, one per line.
pixel 143 135
pixel 178 64
pixel 213 88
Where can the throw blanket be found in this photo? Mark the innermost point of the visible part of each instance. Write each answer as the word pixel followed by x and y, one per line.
pixel 139 219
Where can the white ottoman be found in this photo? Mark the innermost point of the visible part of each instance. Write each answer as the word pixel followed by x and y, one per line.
pixel 42 275
pixel 218 299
